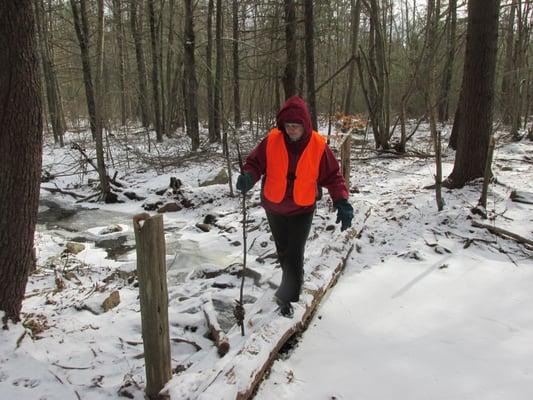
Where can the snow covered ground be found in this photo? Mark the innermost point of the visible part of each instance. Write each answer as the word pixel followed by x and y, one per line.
pixel 427 308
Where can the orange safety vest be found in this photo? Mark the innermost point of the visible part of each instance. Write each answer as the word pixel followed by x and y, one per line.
pixel 277 168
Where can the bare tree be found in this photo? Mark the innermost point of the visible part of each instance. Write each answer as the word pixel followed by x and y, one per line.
pixel 94 95
pixel 291 62
pixel 218 95
pixel 377 94
pixel 518 89
pixel 508 65
pixel 236 62
pixel 119 35
pixel 309 23
pixel 136 31
pixel 431 96
pixel 190 88
pixel 209 73
pixel 20 152
pixel 447 73
pixel 53 95
pixel 355 16
pixel 81 26
pixel 155 71
pixel 107 196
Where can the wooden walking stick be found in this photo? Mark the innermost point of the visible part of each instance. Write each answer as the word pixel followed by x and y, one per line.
pixel 238 311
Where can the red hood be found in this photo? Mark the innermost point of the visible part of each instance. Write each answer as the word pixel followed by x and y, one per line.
pixel 295 110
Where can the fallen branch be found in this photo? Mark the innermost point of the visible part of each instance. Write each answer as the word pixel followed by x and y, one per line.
pixel 58 190
pixel 87 198
pixel 504 233
pixel 181 340
pixel 113 180
pixel 67 367
pixel 217 334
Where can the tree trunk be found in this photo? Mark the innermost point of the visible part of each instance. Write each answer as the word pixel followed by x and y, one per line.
pixel 169 104
pixel 478 92
pixel 355 13
pixel 155 71
pixel 217 97
pixel 190 78
pixel 431 96
pixel 378 86
pixel 519 77
pixel 119 34
pixel 236 77
pixel 446 83
pixel 310 60
pixel 162 82
pixel 20 151
pixel 136 31
pixel 209 74
pixel 508 67
pixel 291 63
pixel 53 96
pixel 81 25
pixel 102 173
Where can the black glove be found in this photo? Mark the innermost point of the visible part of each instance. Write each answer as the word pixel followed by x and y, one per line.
pixel 245 182
pixel 344 213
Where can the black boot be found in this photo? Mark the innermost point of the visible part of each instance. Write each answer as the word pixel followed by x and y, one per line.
pixel 285 307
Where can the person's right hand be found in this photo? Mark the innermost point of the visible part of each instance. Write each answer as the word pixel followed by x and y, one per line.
pixel 245 182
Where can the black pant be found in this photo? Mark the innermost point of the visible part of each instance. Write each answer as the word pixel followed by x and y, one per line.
pixel 290 234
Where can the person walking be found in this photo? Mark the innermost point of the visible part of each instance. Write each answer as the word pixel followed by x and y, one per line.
pixel 293 161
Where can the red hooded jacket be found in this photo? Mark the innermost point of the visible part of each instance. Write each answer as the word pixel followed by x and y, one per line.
pixel 295 110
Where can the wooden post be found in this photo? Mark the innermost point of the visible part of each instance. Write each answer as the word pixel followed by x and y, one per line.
pixel 151 271
pixel 345 158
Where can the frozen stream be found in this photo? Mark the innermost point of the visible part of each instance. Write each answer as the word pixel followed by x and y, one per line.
pixel 88 226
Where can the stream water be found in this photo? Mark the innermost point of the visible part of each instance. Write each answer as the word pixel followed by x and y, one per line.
pixel 69 223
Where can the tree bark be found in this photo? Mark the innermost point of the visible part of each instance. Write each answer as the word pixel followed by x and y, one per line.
pixel 446 83
pixel 478 92
pixel 508 67
pixel 519 77
pixel 81 25
pixel 20 151
pixel 310 60
pixel 170 94
pixel 119 35
pixel 217 97
pixel 136 31
pixel 236 62
pixel 99 92
pixel 155 71
pixel 190 88
pixel 431 96
pixel 291 62
pixel 209 74
pixel 355 13
pixel 378 86
pixel 53 95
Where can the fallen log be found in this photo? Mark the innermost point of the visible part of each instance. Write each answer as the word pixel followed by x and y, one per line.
pixel 503 233
pixel 237 375
pixel 521 197
pixel 217 334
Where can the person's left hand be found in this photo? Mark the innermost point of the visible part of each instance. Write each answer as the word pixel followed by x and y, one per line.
pixel 344 213
pixel 245 182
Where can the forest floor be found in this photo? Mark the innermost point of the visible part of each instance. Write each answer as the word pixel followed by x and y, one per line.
pixel 428 306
